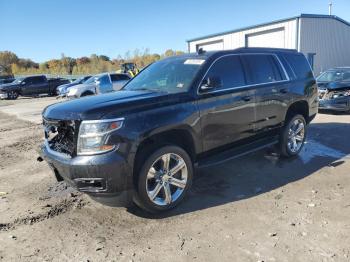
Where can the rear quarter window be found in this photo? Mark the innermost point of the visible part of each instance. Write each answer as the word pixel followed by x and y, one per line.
pixel 299 65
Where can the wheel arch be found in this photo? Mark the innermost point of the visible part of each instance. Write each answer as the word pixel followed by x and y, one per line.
pixel 179 136
pixel 87 93
pixel 299 107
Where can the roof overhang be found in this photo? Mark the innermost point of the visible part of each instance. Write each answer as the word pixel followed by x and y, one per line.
pixel 270 23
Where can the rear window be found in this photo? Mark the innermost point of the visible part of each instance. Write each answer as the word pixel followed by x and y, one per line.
pixel 37 79
pixel 300 65
pixel 262 69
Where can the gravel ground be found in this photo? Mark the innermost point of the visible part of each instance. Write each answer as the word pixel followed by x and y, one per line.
pixel 255 208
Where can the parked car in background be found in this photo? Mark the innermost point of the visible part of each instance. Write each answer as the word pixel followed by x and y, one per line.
pixel 62 90
pixel 99 84
pixel 334 89
pixel 31 86
pixel 5 79
pixel 179 113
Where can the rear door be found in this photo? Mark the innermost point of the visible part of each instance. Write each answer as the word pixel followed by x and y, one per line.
pixel 227 112
pixel 271 89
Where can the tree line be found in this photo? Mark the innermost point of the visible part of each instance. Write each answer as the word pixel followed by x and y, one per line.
pixel 11 64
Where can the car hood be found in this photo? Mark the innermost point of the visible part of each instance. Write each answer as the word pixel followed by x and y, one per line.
pixel 8 86
pixel 83 86
pixel 334 85
pixel 111 105
pixel 60 87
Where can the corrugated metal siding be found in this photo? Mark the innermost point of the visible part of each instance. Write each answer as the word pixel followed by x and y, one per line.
pixel 329 39
pixel 238 39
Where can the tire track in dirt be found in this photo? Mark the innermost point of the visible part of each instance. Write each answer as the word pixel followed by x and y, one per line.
pixel 54 210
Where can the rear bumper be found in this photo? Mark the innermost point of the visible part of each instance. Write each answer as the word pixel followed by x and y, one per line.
pixel 337 104
pixel 101 176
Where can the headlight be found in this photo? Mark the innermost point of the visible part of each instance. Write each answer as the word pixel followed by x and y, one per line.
pixel 93 136
pixel 72 91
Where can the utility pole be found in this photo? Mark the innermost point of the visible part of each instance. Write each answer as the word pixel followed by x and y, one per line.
pixel 330 8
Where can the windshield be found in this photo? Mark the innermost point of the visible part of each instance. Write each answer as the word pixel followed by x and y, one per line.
pixel 18 80
pixel 91 80
pixel 77 81
pixel 331 76
pixel 169 75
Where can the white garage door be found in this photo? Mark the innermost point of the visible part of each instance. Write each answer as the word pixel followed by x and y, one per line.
pixel 272 38
pixel 212 46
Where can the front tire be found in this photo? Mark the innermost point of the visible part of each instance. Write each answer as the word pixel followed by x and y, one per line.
pixel 12 95
pixel 293 136
pixel 164 179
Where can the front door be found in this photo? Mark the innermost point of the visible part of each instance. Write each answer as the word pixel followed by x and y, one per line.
pixel 227 112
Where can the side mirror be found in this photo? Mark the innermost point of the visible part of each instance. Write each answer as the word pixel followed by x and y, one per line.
pixel 211 83
pixel 23 83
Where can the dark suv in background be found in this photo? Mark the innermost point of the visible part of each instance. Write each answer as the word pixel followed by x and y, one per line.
pixel 31 86
pixel 178 114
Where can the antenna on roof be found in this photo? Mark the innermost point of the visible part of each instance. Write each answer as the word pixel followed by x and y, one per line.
pixel 200 51
pixel 330 8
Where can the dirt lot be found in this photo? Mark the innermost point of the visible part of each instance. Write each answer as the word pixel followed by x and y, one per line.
pixel 256 208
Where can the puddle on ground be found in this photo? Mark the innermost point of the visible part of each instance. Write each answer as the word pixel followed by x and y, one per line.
pixel 314 149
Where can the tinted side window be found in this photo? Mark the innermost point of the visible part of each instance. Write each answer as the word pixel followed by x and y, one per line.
pixel 229 69
pixel 262 69
pixel 37 79
pixel 299 65
pixel 115 77
pixel 28 80
pixel 124 77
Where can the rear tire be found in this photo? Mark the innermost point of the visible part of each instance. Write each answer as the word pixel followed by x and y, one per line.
pixel 164 179
pixel 293 136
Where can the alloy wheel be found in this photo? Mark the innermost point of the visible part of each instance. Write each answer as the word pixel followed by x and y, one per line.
pixel 166 179
pixel 296 135
pixel 12 95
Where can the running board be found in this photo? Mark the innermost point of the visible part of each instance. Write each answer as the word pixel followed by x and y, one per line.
pixel 236 152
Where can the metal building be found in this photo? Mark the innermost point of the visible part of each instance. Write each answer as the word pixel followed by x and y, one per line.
pixel 324 39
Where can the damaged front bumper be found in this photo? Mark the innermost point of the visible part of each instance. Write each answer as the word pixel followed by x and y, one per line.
pixel 104 176
pixel 334 100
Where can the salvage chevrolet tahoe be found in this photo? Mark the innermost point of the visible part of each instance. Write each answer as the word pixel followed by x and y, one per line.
pixel 179 114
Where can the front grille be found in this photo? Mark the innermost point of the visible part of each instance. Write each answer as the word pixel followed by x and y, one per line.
pixel 61 135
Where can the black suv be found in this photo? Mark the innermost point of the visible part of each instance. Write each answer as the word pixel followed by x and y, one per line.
pixel 178 114
pixel 31 86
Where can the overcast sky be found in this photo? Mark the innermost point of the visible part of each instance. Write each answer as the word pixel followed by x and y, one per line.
pixel 42 30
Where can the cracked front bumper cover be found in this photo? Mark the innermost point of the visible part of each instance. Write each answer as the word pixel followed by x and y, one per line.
pixel 104 175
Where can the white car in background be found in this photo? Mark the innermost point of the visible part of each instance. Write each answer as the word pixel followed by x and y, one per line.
pixel 99 84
